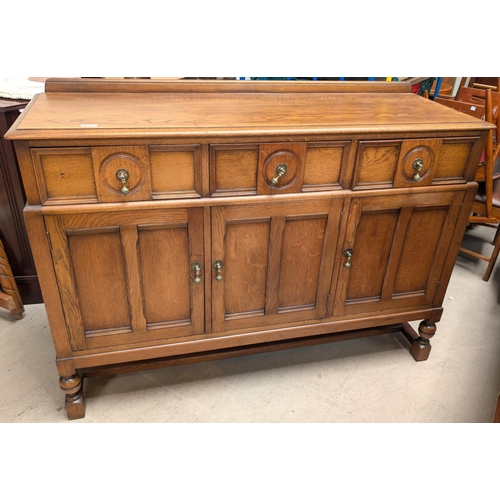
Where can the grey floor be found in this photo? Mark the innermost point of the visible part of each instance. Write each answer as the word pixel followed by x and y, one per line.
pixel 363 380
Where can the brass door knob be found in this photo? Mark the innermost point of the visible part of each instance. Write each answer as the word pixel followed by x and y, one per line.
pixel 348 254
pixel 122 175
pixel 281 170
pixel 218 265
pixel 196 267
pixel 418 165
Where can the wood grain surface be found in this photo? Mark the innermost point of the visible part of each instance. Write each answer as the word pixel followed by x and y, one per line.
pixel 130 278
pixel 73 115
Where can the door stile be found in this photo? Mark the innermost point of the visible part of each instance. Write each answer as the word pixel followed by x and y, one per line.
pixel 446 235
pixel 329 245
pixel 218 235
pixel 129 238
pixel 274 264
pixel 196 252
pixel 66 281
pixel 355 211
pixel 207 271
pixel 396 249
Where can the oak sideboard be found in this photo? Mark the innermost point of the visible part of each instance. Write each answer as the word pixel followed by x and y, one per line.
pixel 181 221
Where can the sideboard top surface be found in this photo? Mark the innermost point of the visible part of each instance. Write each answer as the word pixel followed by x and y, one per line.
pixel 109 115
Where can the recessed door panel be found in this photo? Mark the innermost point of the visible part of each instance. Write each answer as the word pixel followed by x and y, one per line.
pixel 245 266
pixel 100 279
pixel 303 244
pixel 164 258
pixel 394 250
pixel 419 249
pixel 129 277
pixel 371 250
pixel 275 262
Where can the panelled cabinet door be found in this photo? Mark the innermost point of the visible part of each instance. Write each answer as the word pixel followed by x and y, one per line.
pixel 272 263
pixel 394 251
pixel 129 277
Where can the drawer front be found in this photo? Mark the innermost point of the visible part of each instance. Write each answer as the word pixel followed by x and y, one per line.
pixel 117 173
pixel 412 163
pixel 175 171
pixel 64 175
pixel 281 168
pixel 122 174
pixel 326 165
pixel 277 168
pixel 233 169
pixel 454 162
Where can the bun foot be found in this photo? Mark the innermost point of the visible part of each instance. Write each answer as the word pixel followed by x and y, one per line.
pixel 420 342
pixel 420 350
pixel 75 400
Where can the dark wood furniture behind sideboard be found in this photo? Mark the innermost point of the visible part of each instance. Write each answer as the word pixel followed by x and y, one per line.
pixel 186 221
pixel 12 200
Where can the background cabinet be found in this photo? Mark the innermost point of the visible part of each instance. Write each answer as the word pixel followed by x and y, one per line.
pixel 12 199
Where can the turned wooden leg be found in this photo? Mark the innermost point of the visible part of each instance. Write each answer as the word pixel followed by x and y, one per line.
pixel 420 342
pixel 9 293
pixel 75 400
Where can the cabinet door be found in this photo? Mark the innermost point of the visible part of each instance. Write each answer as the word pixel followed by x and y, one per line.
pixel 277 261
pixel 399 245
pixel 127 277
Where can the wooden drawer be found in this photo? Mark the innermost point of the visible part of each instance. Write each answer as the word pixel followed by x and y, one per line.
pixel 117 173
pixel 413 162
pixel 251 169
pixel 64 175
pixel 456 160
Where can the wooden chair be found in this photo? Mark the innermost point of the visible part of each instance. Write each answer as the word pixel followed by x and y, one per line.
pixel 472 83
pixel 480 96
pixel 485 104
pixel 479 207
pixel 496 417
pixel 9 293
pixel 476 110
pixel 485 173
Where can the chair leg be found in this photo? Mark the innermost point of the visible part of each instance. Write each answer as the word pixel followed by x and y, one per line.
pixel 10 299
pixel 494 255
pixel 496 417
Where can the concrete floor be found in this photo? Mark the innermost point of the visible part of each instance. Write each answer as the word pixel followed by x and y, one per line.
pixel 363 380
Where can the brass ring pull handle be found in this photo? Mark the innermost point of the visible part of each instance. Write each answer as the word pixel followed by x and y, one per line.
pixel 348 254
pixel 218 264
pixel 418 165
pixel 122 175
pixel 281 170
pixel 196 267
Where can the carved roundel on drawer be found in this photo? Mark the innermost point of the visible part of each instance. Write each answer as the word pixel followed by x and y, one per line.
pixel 122 174
pixel 281 168
pixel 118 167
pixel 417 161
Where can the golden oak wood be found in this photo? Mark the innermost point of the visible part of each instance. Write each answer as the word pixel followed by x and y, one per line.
pixel 180 86
pixel 230 115
pixel 64 175
pixel 281 168
pixel 213 249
